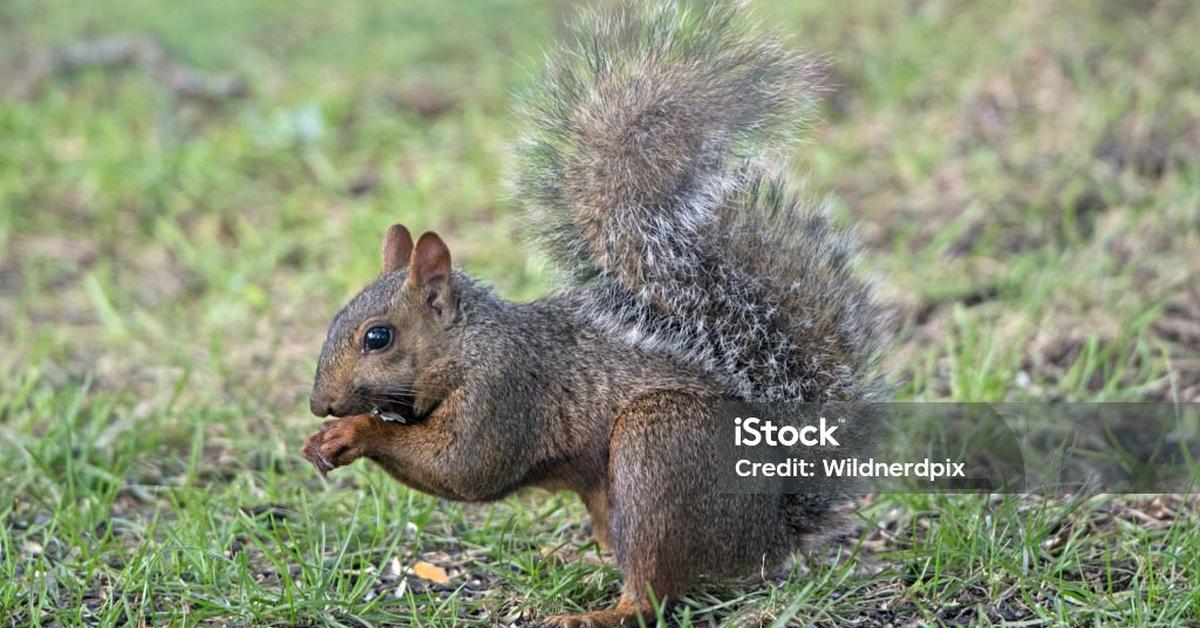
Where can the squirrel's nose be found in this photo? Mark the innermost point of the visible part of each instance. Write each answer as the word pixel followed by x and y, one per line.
pixel 320 405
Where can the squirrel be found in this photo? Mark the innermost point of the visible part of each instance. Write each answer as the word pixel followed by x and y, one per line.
pixel 695 273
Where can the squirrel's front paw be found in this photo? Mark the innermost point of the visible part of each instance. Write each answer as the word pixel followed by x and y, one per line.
pixel 337 443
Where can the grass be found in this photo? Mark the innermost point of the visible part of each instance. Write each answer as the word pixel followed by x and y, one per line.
pixel 1026 176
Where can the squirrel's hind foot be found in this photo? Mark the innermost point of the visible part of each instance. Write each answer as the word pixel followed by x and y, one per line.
pixel 622 615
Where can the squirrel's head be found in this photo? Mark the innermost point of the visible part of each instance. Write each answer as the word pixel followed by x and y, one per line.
pixel 379 345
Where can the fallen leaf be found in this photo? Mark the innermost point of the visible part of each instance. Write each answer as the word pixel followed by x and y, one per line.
pixel 430 572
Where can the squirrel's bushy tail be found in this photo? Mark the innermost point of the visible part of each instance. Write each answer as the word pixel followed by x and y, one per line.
pixel 647 174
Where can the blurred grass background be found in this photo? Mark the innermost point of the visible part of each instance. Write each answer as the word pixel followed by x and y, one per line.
pixel 1026 176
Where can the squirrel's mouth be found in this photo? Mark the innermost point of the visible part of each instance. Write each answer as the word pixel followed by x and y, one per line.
pixel 398 409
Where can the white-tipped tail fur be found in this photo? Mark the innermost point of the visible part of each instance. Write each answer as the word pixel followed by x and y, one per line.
pixel 643 173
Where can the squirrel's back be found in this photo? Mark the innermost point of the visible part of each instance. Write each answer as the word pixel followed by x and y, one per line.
pixel 650 175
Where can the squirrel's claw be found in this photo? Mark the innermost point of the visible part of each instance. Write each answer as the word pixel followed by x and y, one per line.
pixel 312 453
pixel 322 464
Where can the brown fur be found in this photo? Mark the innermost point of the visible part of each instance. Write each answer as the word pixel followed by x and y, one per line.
pixel 701 280
pixel 530 395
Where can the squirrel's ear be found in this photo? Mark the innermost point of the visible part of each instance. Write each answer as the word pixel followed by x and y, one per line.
pixel 429 270
pixel 397 248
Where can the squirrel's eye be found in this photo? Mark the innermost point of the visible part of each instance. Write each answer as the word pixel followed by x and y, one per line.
pixel 377 338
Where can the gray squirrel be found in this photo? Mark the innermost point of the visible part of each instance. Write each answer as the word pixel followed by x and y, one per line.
pixel 695 275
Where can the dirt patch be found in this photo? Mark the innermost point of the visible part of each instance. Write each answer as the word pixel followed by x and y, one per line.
pixel 117 52
pixel 1180 327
